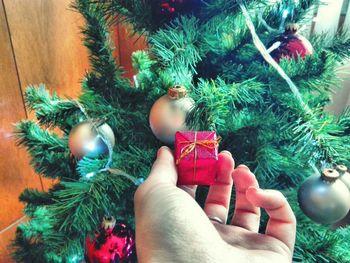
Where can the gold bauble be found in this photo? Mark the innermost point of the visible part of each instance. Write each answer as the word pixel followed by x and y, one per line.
pixel 168 114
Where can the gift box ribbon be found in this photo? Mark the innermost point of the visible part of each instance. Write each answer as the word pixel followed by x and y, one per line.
pixel 192 146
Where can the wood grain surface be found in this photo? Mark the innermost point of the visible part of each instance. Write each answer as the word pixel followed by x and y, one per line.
pixel 40 43
pixel 15 173
pixel 13 177
pixel 47 44
pixel 126 44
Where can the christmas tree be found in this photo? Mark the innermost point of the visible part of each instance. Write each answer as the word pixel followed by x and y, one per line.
pixel 266 104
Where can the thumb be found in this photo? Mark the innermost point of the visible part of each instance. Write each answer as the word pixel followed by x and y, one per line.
pixel 164 169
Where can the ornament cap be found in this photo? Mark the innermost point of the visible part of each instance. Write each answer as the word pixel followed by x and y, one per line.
pixel 330 175
pixel 177 92
pixel 98 122
pixel 342 169
pixel 108 222
pixel 291 28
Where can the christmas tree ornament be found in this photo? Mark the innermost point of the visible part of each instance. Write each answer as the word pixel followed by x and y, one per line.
pixel 325 199
pixel 168 114
pixel 166 10
pixel 344 175
pixel 91 139
pixel 196 156
pixel 114 243
pixel 345 178
pixel 290 45
pixel 343 222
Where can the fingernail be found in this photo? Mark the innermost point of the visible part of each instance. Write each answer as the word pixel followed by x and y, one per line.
pixel 256 189
pixel 158 152
pixel 242 166
pixel 160 149
pixel 252 187
pixel 227 152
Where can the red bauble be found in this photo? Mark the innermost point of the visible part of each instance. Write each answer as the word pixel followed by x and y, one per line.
pixel 113 244
pixel 169 9
pixel 290 45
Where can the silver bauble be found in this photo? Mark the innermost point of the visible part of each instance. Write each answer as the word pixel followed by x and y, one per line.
pixel 345 178
pixel 325 199
pixel 344 175
pixel 168 114
pixel 88 139
pixel 344 222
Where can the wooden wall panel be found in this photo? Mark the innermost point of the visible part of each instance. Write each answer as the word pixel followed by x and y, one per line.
pixel 48 45
pixel 47 42
pixel 47 48
pixel 126 45
pixel 5 239
pixel 15 174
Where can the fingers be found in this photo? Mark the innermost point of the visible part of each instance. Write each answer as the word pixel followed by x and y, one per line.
pixel 163 172
pixel 164 169
pixel 282 222
pixel 190 189
pixel 218 199
pixel 246 214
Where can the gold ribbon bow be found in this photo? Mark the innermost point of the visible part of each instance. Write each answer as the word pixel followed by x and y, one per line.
pixel 191 146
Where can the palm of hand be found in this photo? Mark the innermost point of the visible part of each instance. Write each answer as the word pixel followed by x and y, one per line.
pixel 171 227
pixel 253 246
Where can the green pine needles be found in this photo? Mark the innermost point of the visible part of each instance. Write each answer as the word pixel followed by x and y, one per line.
pixel 236 93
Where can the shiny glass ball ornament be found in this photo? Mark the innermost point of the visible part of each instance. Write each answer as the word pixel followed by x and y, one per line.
pixel 345 178
pixel 290 45
pixel 325 199
pixel 114 242
pixel 168 114
pixel 344 175
pixel 166 10
pixel 88 139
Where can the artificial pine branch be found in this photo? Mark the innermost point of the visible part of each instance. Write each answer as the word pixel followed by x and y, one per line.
pixel 176 47
pixel 340 46
pixel 50 154
pixel 106 77
pixel 216 101
pixel 137 13
pixel 78 204
pixel 28 244
pixel 35 197
pixel 51 110
pixel 224 34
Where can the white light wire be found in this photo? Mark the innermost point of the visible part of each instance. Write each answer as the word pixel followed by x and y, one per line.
pixel 266 55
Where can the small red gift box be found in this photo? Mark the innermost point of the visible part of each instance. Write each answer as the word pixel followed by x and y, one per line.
pixel 196 155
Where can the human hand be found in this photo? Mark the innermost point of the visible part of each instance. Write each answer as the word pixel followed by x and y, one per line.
pixel 171 227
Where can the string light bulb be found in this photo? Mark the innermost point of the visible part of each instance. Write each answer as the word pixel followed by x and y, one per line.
pixel 285 13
